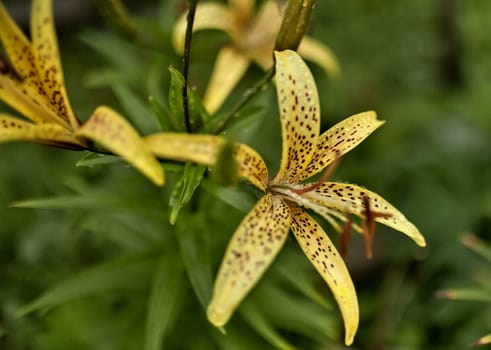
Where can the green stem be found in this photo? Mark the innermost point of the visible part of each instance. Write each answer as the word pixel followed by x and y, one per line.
pixel 248 95
pixel 185 64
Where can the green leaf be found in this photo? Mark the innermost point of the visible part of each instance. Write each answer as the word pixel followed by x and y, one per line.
pixel 235 197
pixel 253 315
pixel 92 159
pixel 294 273
pixel 193 237
pixel 477 245
pixel 137 111
pixel 466 294
pixel 185 187
pixel 198 115
pixel 301 316
pixel 175 100
pixel 162 114
pixel 118 273
pixel 163 305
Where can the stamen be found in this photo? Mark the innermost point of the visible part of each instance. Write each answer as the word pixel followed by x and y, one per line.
pixel 325 176
pixel 345 236
pixel 369 225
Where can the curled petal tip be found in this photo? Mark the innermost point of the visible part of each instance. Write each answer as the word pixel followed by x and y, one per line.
pixel 217 315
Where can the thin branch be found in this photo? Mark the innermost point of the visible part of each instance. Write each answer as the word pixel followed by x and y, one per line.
pixel 248 95
pixel 185 62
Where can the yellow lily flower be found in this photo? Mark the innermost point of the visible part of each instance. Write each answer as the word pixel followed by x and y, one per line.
pixel 305 153
pixel 33 84
pixel 252 40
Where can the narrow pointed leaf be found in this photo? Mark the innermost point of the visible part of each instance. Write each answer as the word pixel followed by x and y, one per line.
pixel 161 312
pixel 257 321
pixel 175 100
pixel 348 198
pixel 111 130
pixel 300 115
pixel 184 190
pixel 477 245
pixel 194 239
pixel 323 255
pixel 110 275
pixel 93 159
pixel 253 247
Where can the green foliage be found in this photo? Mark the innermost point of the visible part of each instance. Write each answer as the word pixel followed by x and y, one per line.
pixel 87 252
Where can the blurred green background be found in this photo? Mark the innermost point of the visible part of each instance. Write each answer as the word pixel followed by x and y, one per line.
pixel 99 245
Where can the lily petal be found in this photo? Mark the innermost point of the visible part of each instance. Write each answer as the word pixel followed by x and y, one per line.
pixel 348 198
pixel 340 139
pixel 242 8
pixel 208 15
pixel 48 60
pixel 315 51
pixel 328 262
pixel 18 48
pixel 204 149
pixel 19 96
pixel 251 250
pixel 259 41
pixel 300 115
pixel 14 129
pixel 229 67
pixel 111 130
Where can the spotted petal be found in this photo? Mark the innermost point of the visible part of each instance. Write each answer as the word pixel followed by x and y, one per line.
pixel 300 115
pixel 20 97
pixel 48 60
pixel 18 49
pixel 323 254
pixel 230 66
pixel 14 129
pixel 349 198
pixel 111 130
pixel 208 16
pixel 340 139
pixel 204 149
pixel 251 250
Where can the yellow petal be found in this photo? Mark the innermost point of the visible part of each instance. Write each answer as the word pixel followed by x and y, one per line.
pixel 251 250
pixel 259 41
pixel 348 198
pixel 300 115
pixel 204 149
pixel 111 130
pixel 340 139
pixel 315 51
pixel 229 67
pixel 48 60
pixel 20 97
pixel 323 254
pixel 18 48
pixel 208 15
pixel 242 9
pixel 14 129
